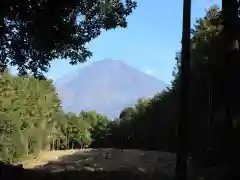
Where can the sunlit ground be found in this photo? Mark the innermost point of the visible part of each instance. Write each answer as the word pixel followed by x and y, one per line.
pixel 104 160
pixel 106 164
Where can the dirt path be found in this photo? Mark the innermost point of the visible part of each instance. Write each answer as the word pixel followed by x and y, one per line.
pixel 105 160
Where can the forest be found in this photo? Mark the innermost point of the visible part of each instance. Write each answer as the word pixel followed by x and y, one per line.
pixel 32 120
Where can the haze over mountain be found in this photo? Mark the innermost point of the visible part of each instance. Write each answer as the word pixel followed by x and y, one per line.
pixel 106 86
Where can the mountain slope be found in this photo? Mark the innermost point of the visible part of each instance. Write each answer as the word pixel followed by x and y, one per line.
pixel 106 86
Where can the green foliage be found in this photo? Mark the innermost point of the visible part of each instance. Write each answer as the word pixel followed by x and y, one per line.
pixel 34 33
pixel 151 124
pixel 28 107
pixel 31 120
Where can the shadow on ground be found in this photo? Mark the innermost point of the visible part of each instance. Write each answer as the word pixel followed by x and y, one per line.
pixel 89 165
pixel 114 160
pixel 44 173
pixel 106 164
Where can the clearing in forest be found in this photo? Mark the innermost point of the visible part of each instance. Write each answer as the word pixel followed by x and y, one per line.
pixel 105 160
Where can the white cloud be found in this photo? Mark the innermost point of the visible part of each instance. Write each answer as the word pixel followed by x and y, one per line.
pixel 148 71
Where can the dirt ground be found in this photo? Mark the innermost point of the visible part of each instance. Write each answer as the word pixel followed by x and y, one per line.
pixel 104 160
pixel 106 164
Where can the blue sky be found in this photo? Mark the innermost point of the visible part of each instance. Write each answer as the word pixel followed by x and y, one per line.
pixel 149 43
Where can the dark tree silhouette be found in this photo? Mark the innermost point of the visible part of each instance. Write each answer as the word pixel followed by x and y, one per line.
pixel 33 33
pixel 182 154
pixel 231 23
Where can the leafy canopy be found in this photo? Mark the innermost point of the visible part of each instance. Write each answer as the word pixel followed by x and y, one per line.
pixel 35 32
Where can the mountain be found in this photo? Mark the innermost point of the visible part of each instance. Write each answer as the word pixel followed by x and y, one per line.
pixel 106 86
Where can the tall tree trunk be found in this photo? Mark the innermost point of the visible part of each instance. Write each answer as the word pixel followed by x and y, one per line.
pixel 1 21
pixel 182 154
pixel 230 34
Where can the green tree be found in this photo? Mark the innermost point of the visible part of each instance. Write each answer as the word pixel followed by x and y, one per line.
pixel 127 113
pixel 29 109
pixel 34 33
pixel 181 165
